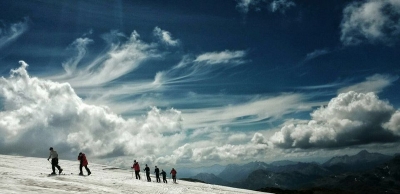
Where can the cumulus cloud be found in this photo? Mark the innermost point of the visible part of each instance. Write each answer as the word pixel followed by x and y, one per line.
pixel 12 32
pixel 258 138
pixel 371 21
pixel 349 119
pixel 236 138
pixel 394 123
pixel 375 83
pixel 165 37
pixel 40 113
pixel 190 153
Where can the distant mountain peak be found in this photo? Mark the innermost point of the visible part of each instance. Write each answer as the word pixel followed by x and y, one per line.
pixel 363 152
pixel 282 163
pixel 363 160
pixel 210 178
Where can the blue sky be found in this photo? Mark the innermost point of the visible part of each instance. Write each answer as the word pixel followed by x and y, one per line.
pixel 199 82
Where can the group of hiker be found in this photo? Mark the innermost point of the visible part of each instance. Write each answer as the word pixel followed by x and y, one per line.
pixel 136 168
pixel 84 163
pixel 54 162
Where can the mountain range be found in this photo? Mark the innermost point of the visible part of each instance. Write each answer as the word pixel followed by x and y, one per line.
pixel 234 172
pixel 356 163
pixel 190 172
pixel 385 178
pixel 211 178
pixel 301 175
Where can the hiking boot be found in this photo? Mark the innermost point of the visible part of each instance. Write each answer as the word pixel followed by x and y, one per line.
pixel 80 174
pixel 89 173
pixel 53 173
pixel 60 171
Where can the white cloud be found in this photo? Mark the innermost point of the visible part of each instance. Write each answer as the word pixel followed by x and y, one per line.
pixel 165 37
pixel 394 123
pixel 237 138
pixel 80 45
pixel 372 21
pixel 12 32
pixel 281 5
pixel 316 54
pixel 224 57
pixel 375 83
pixel 207 132
pixel 250 111
pixel 93 80
pixel 191 69
pixel 349 119
pixel 190 153
pixel 122 58
pixel 40 113
pixel 258 138
pixel 244 5
pixel 119 60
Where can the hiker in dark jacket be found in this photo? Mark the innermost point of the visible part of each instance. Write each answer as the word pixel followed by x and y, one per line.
pixel 147 169
pixel 157 171
pixel 54 161
pixel 164 176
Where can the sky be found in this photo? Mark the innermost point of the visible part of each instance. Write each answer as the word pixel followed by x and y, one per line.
pixel 30 175
pixel 197 83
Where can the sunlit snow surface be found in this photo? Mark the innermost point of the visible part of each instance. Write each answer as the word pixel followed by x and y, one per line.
pixel 30 175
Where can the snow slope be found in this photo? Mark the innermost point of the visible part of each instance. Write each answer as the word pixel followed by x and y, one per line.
pixel 30 175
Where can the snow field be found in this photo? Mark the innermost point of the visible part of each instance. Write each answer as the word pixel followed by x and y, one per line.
pixel 31 175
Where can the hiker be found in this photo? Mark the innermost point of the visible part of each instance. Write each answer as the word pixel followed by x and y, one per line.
pixel 164 176
pixel 136 167
pixel 83 163
pixel 157 171
pixel 147 169
pixel 173 172
pixel 54 161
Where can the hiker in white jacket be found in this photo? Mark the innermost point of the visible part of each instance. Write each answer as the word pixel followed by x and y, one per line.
pixel 54 161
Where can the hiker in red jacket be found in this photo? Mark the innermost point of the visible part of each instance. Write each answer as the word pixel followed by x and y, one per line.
pixel 136 167
pixel 83 162
pixel 173 172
